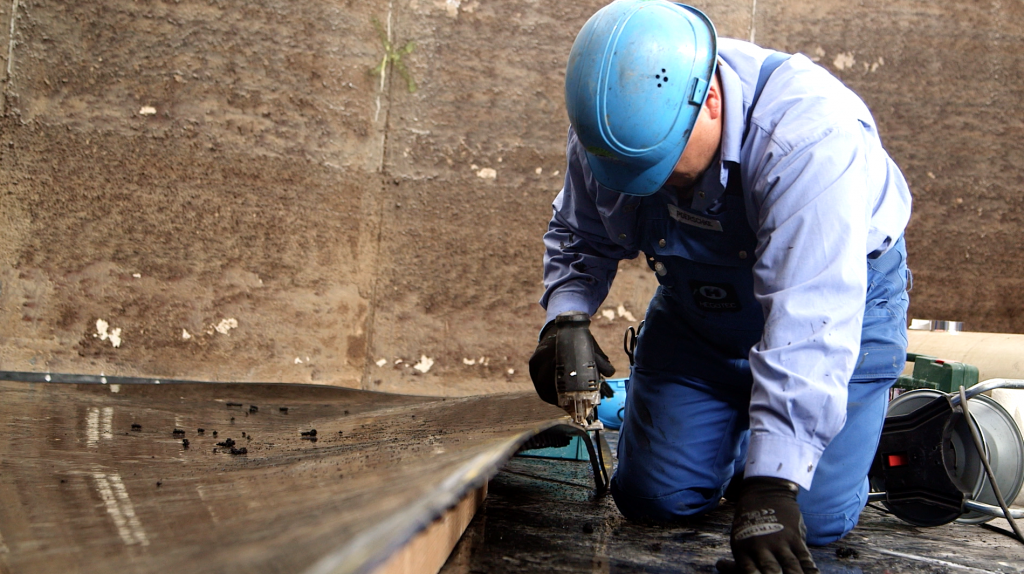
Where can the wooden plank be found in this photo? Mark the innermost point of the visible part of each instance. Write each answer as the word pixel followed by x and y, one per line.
pixel 427 553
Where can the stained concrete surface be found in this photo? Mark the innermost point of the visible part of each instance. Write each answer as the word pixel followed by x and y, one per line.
pixel 168 167
pixel 120 478
pixel 943 84
pixel 228 185
pixel 543 516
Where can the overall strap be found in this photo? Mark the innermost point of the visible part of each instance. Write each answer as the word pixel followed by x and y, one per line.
pixel 770 64
pixel 776 59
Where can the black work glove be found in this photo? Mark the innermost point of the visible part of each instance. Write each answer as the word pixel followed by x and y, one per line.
pixel 542 363
pixel 768 532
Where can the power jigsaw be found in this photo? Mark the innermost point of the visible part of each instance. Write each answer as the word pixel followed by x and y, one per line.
pixel 577 378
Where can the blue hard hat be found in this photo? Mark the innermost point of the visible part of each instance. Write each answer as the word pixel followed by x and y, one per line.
pixel 637 77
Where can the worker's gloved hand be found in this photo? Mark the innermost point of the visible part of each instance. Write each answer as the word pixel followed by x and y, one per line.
pixel 542 363
pixel 768 532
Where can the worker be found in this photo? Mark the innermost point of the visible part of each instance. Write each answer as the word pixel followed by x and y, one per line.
pixel 758 190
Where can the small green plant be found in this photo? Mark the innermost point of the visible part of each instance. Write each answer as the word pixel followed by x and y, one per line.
pixel 393 57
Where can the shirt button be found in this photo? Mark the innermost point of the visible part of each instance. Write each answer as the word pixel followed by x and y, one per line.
pixel 659 268
pixel 661 243
pixel 743 254
pixel 622 237
pixel 701 194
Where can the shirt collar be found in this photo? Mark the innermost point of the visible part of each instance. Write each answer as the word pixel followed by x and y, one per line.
pixel 732 116
pixel 712 184
pixel 710 188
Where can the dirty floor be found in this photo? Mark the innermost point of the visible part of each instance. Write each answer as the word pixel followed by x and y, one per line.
pixel 543 516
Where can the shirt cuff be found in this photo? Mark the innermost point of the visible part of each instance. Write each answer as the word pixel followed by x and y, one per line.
pixel 779 457
pixel 565 300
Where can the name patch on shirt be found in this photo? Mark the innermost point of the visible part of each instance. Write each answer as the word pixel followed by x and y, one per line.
pixel 715 297
pixel 693 219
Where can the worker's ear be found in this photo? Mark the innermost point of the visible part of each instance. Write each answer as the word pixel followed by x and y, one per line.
pixel 713 102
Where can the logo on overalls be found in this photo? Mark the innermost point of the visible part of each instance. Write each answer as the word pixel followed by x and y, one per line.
pixel 715 297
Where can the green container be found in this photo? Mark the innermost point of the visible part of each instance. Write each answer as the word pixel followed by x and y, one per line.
pixel 939 374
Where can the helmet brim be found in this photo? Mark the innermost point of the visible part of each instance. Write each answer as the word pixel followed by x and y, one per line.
pixel 628 179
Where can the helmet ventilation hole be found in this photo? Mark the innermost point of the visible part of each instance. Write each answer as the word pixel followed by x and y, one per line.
pixel 661 79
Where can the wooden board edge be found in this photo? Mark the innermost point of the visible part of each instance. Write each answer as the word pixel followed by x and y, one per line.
pixel 427 552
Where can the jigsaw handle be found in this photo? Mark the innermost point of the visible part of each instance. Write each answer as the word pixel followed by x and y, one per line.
pixel 575 358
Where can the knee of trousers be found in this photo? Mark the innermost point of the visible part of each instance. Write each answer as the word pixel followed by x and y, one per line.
pixel 668 508
pixel 826 525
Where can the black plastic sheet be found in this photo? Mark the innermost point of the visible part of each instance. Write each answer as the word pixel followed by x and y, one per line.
pixel 213 477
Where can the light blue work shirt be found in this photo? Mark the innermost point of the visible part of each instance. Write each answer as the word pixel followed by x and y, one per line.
pixel 821 196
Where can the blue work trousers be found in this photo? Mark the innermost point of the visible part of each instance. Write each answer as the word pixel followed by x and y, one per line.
pixel 683 437
pixel 682 441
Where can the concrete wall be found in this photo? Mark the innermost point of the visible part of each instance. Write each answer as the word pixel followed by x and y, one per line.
pixel 232 187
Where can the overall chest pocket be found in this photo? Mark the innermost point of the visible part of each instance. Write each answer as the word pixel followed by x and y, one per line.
pixel 704 263
pixel 723 237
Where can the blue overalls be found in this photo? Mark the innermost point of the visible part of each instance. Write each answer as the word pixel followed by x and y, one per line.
pixel 685 428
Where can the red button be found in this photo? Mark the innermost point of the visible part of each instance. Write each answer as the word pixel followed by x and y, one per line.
pixel 897 459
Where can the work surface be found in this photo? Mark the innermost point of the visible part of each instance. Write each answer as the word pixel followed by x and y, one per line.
pixel 120 478
pixel 95 478
pixel 542 516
